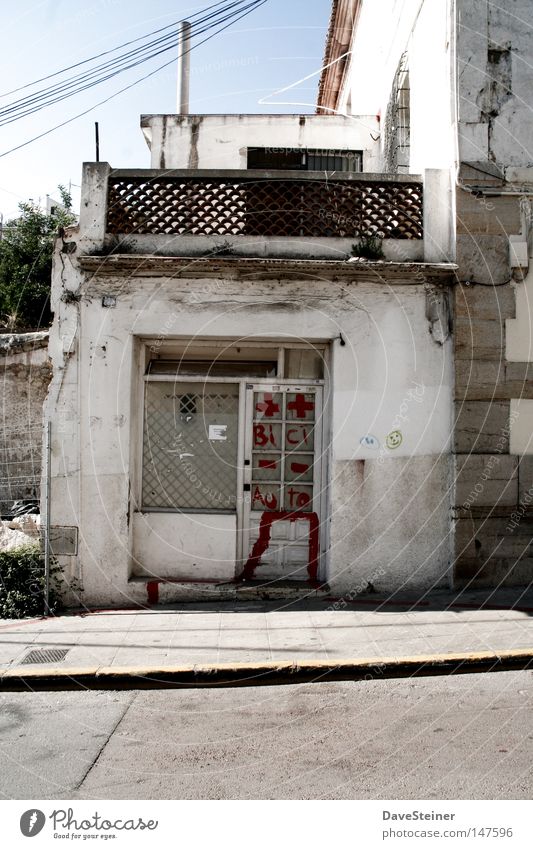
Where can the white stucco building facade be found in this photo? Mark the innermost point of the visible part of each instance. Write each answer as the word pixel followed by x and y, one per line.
pixel 238 405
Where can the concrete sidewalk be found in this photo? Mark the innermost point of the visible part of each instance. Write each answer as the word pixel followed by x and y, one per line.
pixel 263 636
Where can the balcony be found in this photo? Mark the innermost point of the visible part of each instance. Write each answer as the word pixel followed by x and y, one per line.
pixel 285 214
pixel 269 204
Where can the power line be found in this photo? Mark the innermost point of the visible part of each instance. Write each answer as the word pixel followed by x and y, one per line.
pixel 108 70
pixel 106 52
pixel 117 60
pixel 254 5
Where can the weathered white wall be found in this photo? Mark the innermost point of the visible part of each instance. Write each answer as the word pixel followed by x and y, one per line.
pixel 185 547
pixel 519 330
pixel 390 375
pixel 221 141
pixel 469 73
pixel 375 57
pixel 390 523
pixel 289 247
pixel 386 30
pixel 430 74
pixel 423 31
pixel 521 426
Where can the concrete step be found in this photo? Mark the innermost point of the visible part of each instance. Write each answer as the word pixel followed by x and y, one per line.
pixel 150 591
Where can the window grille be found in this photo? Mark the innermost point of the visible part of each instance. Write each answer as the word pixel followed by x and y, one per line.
pixel 397 125
pixel 190 446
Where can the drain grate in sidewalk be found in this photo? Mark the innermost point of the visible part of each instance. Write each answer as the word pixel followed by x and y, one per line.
pixel 44 656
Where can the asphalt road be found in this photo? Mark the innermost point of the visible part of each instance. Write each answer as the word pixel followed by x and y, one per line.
pixel 460 737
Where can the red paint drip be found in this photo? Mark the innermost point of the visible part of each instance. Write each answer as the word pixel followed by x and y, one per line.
pixel 314 547
pixel 263 541
pixel 152 588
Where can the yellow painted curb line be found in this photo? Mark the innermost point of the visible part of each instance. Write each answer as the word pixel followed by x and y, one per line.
pixel 264 673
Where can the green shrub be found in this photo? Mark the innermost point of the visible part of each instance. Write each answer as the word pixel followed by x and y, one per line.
pixel 368 247
pixel 22 583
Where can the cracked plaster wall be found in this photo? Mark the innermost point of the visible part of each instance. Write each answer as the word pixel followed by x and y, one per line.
pixel 390 374
pixel 495 75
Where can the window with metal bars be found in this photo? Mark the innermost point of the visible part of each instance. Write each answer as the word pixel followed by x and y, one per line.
pixel 190 446
pixel 305 159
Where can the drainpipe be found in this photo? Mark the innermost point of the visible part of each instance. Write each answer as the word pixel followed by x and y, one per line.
pixel 184 67
pixel 47 517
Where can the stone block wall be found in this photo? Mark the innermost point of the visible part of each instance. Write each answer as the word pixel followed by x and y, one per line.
pixel 492 548
pixel 25 375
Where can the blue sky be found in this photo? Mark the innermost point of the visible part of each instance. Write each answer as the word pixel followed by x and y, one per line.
pixel 276 45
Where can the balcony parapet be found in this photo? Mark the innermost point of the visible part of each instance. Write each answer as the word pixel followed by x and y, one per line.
pixel 285 214
pixel 268 204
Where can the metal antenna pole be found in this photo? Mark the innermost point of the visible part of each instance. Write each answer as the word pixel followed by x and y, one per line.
pixel 184 67
pixel 97 140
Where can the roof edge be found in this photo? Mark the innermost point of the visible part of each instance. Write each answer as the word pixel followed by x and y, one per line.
pixel 343 21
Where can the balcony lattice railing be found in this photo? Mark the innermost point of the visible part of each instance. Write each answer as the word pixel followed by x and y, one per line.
pixel 236 203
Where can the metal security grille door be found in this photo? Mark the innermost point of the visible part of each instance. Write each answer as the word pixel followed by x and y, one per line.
pixel 282 477
pixel 190 446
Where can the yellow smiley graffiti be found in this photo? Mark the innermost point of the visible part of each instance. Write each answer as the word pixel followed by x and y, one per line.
pixel 394 439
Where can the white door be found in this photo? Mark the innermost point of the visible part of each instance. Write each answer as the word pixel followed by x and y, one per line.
pixel 188 525
pixel 282 481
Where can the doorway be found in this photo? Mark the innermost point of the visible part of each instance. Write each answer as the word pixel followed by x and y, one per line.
pixel 233 465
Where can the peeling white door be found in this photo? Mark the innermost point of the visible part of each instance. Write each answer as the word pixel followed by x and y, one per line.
pixel 282 481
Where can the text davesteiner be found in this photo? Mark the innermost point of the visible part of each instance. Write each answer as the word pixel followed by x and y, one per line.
pixel 417 815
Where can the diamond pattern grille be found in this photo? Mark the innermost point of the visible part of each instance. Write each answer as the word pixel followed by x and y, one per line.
pixel 190 446
pixel 213 206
